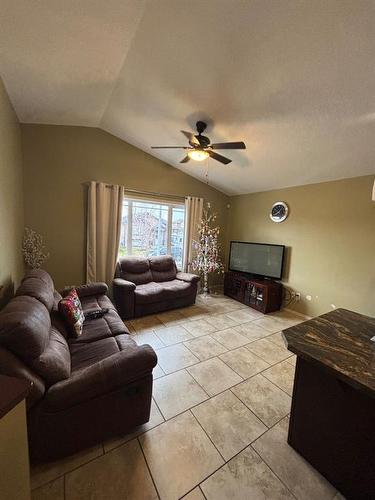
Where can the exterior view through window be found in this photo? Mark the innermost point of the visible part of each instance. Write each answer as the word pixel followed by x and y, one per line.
pixel 151 228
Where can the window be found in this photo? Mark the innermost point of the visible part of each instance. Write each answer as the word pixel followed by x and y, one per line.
pixel 152 228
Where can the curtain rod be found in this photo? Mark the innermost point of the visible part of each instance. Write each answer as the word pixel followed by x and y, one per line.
pixel 152 193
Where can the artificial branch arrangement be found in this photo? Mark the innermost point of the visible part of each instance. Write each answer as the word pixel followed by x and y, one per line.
pixel 33 249
pixel 207 259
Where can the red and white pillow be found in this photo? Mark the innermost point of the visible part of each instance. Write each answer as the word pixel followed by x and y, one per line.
pixel 70 308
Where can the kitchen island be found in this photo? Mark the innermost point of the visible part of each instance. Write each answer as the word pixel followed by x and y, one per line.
pixel 332 423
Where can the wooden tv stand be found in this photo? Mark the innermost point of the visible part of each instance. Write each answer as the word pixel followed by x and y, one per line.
pixel 260 294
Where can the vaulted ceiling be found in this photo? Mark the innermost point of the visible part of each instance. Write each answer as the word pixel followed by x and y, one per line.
pixel 295 80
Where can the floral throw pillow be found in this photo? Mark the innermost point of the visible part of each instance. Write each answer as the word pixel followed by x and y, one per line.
pixel 71 309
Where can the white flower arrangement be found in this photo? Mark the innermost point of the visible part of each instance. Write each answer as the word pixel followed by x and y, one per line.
pixel 33 249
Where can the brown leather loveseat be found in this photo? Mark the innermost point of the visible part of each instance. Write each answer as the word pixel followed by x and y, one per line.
pixel 148 285
pixel 85 389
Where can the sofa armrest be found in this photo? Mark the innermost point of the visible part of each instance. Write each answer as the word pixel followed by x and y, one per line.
pixel 129 286
pixel 188 277
pixel 106 376
pixel 99 288
pixel 123 294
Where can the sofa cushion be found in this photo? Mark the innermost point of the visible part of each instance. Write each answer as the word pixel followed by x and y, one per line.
pixel 148 293
pixel 92 302
pixel 24 327
pixel 134 269
pixel 107 326
pixel 38 284
pixel 84 355
pixel 53 364
pixel 176 289
pixel 163 268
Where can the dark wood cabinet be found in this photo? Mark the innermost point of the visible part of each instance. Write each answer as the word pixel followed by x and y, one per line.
pixel 260 294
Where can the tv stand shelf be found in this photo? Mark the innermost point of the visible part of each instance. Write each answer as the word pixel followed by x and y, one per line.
pixel 260 294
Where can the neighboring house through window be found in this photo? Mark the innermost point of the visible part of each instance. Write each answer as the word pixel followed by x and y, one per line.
pixel 152 228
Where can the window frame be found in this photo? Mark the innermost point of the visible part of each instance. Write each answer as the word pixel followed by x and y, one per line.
pixel 171 204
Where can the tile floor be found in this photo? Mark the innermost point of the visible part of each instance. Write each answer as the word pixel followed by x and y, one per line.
pixel 219 417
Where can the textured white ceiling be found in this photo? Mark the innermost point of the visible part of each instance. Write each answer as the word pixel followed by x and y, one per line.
pixel 294 80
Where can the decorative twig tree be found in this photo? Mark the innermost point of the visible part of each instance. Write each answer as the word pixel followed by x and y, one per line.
pixel 207 259
pixel 33 249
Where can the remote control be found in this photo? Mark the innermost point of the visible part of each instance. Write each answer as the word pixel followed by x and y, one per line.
pixel 97 313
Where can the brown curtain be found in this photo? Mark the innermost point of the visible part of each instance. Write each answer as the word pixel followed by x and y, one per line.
pixel 193 216
pixel 104 213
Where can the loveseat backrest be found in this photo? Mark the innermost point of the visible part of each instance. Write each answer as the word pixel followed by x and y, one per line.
pixel 141 270
pixel 163 268
pixel 134 269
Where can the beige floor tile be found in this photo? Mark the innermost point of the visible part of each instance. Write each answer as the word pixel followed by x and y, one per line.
pixel 156 418
pixel 44 473
pixel 121 473
pixel 269 323
pixel 251 331
pixel 281 375
pixel 277 338
pixel 287 318
pixel 148 337
pixel 230 425
pixel 198 327
pixel 51 491
pixel 245 477
pixel 170 318
pixel 244 315
pixel 292 360
pixel 195 494
pixel 173 335
pixel 299 476
pixel 205 347
pixel 157 372
pixel 243 362
pixel 146 323
pixel 269 351
pixel 175 357
pixel 220 321
pixel 264 398
pixel 194 312
pixel 230 338
pixel 176 393
pixel 214 376
pixel 179 455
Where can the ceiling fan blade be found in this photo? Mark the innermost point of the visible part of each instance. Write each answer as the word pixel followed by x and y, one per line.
pixel 170 147
pixel 219 158
pixel 191 137
pixel 186 159
pixel 228 145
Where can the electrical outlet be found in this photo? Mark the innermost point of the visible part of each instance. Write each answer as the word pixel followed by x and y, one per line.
pixel 298 296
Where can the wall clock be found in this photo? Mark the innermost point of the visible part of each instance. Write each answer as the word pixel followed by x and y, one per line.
pixel 279 211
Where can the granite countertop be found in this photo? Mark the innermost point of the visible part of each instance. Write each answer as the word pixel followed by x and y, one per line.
pixel 338 341
pixel 12 391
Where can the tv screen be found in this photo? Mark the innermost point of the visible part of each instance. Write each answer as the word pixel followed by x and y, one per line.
pixel 256 258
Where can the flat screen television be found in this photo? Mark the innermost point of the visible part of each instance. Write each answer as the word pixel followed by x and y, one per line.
pixel 259 259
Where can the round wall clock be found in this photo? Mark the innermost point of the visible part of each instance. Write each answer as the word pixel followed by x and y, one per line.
pixel 279 211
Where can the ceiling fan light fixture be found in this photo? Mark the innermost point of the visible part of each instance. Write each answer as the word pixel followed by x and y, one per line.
pixel 198 154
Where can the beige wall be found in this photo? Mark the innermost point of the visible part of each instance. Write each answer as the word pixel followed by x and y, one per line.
pixel 11 198
pixel 59 160
pixel 330 233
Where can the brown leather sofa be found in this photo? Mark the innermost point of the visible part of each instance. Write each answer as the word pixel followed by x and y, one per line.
pixel 85 389
pixel 149 285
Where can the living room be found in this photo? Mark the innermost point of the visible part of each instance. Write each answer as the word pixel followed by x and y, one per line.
pixel 84 108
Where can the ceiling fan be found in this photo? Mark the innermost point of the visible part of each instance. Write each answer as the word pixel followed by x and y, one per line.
pixel 201 148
